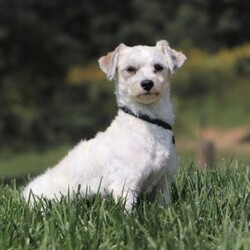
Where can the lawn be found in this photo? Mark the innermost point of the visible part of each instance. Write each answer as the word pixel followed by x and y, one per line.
pixel 209 210
pixel 14 164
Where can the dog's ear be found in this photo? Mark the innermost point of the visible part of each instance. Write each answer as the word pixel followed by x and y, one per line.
pixel 175 59
pixel 109 62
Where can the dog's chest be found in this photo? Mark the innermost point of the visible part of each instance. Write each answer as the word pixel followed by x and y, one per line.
pixel 158 147
pixel 151 147
pixel 143 146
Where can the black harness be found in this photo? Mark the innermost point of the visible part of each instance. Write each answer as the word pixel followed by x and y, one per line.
pixel 146 118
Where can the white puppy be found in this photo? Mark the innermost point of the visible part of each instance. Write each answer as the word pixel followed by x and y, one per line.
pixel 136 154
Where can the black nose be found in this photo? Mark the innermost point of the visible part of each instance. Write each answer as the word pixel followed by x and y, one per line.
pixel 147 84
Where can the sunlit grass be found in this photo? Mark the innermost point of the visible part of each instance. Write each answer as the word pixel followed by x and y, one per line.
pixel 209 210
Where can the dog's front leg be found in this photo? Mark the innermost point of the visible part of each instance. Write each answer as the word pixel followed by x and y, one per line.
pixel 161 192
pixel 130 200
pixel 124 194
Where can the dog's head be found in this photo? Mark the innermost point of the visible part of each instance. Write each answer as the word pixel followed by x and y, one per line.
pixel 142 71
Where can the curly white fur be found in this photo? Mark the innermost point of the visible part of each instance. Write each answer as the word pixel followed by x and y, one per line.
pixel 132 156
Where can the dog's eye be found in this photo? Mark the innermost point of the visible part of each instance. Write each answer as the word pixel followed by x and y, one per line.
pixel 131 69
pixel 158 68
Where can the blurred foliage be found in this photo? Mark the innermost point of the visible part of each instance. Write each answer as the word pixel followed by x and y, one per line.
pixel 214 87
pixel 208 73
pixel 50 93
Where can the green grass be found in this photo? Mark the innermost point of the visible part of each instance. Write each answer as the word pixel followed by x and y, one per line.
pixel 33 162
pixel 210 210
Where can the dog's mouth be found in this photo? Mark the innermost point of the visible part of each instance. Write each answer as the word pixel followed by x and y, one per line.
pixel 149 94
pixel 148 97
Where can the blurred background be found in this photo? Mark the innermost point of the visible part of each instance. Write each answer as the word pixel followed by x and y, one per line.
pixel 52 92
